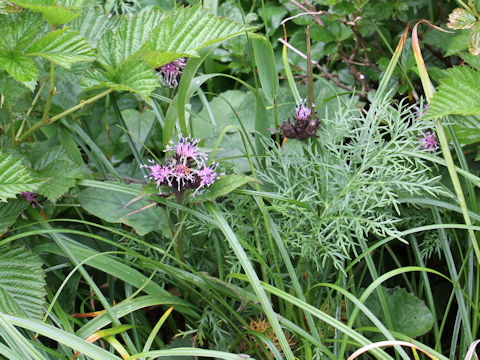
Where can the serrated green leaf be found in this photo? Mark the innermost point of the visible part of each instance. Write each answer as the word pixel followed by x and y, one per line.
pixel 19 30
pixel 22 282
pixel 19 66
pixel 125 42
pixel 474 40
pixel 460 19
pixel 222 186
pixel 63 47
pixel 92 24
pixel 459 93
pixel 55 13
pixel 11 89
pixel 109 205
pixel 9 212
pixel 60 175
pixel 134 76
pixel 15 178
pixel 185 31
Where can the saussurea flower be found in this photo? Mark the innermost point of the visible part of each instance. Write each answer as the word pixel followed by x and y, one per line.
pixel 184 169
pixel 171 72
pixel 429 141
pixel 305 123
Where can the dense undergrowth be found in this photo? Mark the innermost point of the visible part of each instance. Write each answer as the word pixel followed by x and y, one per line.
pixel 239 179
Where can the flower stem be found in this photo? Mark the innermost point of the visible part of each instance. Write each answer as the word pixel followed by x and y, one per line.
pixel 80 105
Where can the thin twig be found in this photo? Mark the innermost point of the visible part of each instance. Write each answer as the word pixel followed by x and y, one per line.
pixel 314 16
pixel 322 68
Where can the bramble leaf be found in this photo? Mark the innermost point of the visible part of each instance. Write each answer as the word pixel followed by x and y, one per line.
pixel 11 89
pixel 9 212
pixel 63 47
pixel 185 31
pixel 60 175
pixel 458 93
pixel 19 66
pixel 54 12
pixel 128 39
pixel 22 282
pixel 19 30
pixel 134 76
pixel 15 177
pixel 92 24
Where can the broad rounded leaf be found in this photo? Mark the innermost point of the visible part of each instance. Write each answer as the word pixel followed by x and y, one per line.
pixel 110 206
pixel 409 314
pixel 19 66
pixel 63 47
pixel 460 19
pixel 22 282
pixel 15 177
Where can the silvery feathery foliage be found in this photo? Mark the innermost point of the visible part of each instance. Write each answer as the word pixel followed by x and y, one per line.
pixel 350 178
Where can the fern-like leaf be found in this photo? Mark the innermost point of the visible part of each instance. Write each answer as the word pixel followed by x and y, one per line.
pixel 185 31
pixel 22 282
pixel 15 178
pixel 458 93
pixel 63 47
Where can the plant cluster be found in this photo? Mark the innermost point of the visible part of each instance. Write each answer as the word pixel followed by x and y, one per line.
pixel 320 201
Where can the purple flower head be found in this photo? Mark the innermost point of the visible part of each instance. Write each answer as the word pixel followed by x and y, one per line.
pixel 303 112
pixel 184 170
pixel 172 71
pixel 207 176
pixel 429 141
pixel 186 150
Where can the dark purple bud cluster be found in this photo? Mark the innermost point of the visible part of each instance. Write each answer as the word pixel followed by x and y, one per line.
pixel 305 124
pixel 171 72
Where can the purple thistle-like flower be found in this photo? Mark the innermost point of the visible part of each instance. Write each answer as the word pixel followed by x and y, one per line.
pixel 159 173
pixel 303 112
pixel 207 176
pixel 187 149
pixel 172 71
pixel 429 141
